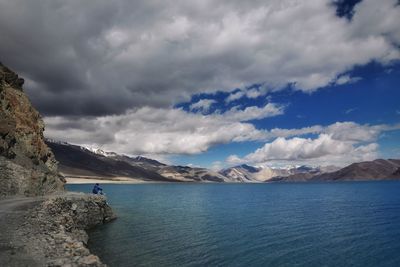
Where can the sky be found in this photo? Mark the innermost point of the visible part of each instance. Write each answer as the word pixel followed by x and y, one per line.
pixel 213 83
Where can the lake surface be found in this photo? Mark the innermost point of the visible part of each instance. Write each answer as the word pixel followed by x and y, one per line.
pixel 287 224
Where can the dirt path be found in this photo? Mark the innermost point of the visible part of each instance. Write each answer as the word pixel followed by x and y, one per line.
pixel 12 213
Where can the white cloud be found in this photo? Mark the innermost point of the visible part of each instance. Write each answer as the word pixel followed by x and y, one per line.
pixel 323 149
pixel 203 105
pixel 161 131
pixel 345 79
pixel 235 96
pixel 234 160
pixel 336 144
pixel 217 165
pixel 254 113
pixel 299 148
pixel 152 131
pixel 345 131
pixel 251 93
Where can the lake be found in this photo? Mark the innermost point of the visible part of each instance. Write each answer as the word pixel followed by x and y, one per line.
pixel 279 224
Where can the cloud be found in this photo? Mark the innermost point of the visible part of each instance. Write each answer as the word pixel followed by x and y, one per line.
pixel 202 105
pixel 150 130
pixel 157 131
pixel 96 58
pixel 253 112
pixel 346 79
pixel 345 131
pixel 350 131
pixel 251 93
pixel 234 96
pixel 217 166
pixel 299 148
pixel 350 110
pixel 323 149
pixel 338 144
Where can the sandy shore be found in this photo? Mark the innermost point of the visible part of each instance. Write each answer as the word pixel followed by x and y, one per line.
pixel 93 179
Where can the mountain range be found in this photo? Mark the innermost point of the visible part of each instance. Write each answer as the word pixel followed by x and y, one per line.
pixel 81 162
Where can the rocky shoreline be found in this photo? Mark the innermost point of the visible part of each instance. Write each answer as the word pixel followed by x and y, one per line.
pixel 53 233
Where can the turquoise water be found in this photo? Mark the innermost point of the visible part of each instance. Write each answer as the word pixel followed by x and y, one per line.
pixel 293 224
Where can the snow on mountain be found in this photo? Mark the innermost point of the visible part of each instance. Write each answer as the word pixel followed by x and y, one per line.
pixel 246 173
pixel 241 174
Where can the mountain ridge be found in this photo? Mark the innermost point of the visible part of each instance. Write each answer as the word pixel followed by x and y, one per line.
pixel 78 161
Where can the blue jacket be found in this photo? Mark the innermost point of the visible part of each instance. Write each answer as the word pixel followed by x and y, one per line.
pixel 96 189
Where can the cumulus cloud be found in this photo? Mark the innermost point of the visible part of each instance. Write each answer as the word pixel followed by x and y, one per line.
pixel 324 149
pixel 339 144
pixel 299 148
pixel 344 131
pixel 156 131
pixel 101 57
pixel 150 130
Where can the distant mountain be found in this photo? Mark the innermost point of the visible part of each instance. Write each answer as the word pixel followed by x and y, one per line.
pixel 242 173
pixel 379 169
pixel 77 161
pixel 187 174
pixel 246 173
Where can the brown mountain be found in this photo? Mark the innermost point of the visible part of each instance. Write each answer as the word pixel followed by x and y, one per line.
pixel 27 165
pixel 76 161
pixel 379 169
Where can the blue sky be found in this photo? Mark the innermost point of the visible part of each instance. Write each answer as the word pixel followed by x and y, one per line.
pixel 213 83
pixel 373 99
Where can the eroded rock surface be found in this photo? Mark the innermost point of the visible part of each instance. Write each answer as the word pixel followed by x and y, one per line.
pixel 54 233
pixel 27 165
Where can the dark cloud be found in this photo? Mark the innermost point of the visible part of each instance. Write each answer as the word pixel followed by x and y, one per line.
pixel 106 57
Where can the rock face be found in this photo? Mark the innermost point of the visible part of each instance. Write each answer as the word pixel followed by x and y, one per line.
pixel 27 165
pixel 55 231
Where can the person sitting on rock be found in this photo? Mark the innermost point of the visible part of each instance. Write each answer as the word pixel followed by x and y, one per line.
pixel 97 189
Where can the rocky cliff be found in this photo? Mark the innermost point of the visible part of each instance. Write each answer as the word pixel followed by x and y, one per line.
pixel 54 233
pixel 27 165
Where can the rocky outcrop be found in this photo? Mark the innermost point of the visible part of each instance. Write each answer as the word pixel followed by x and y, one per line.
pixel 54 233
pixel 27 165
